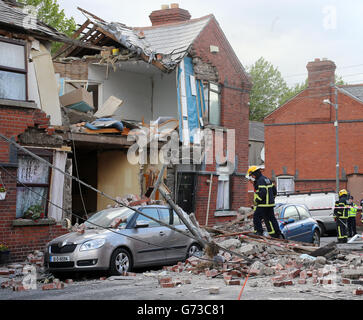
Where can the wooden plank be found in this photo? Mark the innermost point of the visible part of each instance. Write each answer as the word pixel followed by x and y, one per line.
pixel 117 140
pixel 90 14
pixel 108 130
pixel 66 47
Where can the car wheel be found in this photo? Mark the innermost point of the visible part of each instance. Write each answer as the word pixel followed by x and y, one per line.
pixel 194 248
pixel 322 228
pixel 316 238
pixel 121 262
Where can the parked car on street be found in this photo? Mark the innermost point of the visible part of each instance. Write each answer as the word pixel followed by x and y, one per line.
pixel 136 242
pixel 320 204
pixel 297 224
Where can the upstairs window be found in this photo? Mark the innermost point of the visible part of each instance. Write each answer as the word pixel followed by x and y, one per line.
pixel 213 103
pixel 13 70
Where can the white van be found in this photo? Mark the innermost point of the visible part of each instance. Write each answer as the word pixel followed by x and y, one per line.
pixel 320 205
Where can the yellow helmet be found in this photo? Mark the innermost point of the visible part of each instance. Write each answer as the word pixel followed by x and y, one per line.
pixel 252 170
pixel 342 192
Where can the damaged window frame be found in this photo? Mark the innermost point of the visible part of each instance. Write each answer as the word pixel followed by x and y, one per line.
pixel 47 155
pixel 14 70
pixel 213 88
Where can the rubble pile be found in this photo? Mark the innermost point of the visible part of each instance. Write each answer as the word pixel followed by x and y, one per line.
pixel 283 263
pixel 30 274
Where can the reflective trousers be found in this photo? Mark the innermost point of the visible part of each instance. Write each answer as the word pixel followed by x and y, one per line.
pixel 342 230
pixel 352 228
pixel 267 214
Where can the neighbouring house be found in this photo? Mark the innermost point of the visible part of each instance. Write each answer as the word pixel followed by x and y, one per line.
pixel 300 136
pixel 181 73
pixel 29 113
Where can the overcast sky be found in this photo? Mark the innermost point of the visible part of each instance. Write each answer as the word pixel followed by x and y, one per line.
pixel 287 33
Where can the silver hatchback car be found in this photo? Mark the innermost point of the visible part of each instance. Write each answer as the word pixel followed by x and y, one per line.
pixel 136 242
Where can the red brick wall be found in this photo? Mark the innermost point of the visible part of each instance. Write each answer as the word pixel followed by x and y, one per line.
pixel 310 149
pixel 21 240
pixel 235 115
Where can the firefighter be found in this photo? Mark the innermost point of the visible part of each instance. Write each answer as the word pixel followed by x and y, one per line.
pixel 264 200
pixel 341 216
pixel 352 214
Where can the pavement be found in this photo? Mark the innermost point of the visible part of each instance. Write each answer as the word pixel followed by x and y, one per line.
pixel 146 285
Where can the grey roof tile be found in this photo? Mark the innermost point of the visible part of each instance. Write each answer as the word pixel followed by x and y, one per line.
pixel 172 41
pixel 354 90
pixel 15 17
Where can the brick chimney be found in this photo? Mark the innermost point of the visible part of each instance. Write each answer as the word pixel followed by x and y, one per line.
pixel 321 74
pixel 169 15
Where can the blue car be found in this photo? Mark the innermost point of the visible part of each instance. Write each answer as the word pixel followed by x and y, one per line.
pixel 297 224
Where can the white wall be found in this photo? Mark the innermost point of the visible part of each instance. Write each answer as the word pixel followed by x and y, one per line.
pixel 165 102
pixel 136 90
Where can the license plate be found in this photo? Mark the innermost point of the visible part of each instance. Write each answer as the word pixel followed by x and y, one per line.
pixel 60 259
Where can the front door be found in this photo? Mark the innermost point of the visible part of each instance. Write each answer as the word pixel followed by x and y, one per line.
pixel 186 191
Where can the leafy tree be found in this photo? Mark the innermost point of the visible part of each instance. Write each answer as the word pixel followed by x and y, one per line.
pixel 267 90
pixel 50 13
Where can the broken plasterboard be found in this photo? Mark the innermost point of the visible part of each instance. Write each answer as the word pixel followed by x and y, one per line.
pixel 47 84
pixel 109 108
pixel 79 99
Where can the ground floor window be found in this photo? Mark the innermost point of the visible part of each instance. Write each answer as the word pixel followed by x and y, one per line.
pixel 33 184
pixel 223 195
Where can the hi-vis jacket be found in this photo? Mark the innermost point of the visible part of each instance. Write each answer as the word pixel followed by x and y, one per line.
pixel 353 211
pixel 341 211
pixel 265 192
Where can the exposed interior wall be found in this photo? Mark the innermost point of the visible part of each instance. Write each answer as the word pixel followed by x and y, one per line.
pixel 165 103
pixel 147 95
pixel 134 89
pixel 116 177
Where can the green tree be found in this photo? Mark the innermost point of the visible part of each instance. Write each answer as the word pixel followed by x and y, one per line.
pixel 267 90
pixel 50 13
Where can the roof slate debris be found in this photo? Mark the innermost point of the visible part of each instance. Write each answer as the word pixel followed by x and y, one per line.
pixel 168 44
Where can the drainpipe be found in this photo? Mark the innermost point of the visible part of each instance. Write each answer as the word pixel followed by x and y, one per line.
pixel 210 192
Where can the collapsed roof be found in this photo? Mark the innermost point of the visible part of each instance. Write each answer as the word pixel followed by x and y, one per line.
pixel 18 19
pixel 165 46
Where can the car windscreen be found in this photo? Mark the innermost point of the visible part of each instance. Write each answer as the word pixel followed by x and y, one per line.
pixel 106 217
pixel 278 209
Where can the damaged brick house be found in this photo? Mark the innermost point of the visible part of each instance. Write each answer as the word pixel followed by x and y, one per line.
pixel 301 141
pixel 178 69
pixel 29 110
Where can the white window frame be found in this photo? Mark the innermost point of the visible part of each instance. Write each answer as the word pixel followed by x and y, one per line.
pixel 281 187
pixel 223 193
